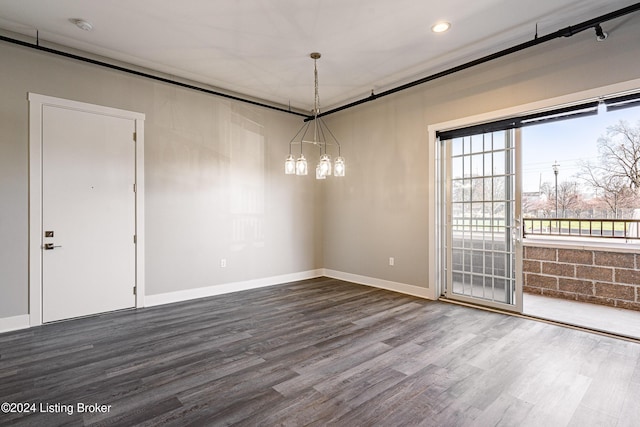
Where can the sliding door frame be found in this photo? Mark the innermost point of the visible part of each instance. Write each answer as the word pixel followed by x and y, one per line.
pixel 512 236
pixel 434 250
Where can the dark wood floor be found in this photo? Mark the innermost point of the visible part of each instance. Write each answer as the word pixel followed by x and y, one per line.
pixel 319 352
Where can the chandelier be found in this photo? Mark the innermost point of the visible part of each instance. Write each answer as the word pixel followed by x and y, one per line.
pixel 320 132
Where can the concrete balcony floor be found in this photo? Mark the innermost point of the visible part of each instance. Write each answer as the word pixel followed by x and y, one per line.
pixel 592 316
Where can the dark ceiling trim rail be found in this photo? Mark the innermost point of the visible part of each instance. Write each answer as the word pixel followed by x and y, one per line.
pixel 145 75
pixel 564 32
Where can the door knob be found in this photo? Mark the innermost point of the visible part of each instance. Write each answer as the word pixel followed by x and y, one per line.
pixel 50 246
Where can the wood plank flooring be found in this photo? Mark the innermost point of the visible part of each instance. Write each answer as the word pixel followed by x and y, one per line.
pixel 318 352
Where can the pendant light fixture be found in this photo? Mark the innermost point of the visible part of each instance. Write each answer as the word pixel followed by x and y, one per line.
pixel 320 132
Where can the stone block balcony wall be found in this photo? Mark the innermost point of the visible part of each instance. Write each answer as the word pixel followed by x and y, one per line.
pixel 589 275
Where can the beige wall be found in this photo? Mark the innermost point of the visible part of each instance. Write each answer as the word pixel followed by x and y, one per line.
pixel 215 186
pixel 381 209
pixel 214 166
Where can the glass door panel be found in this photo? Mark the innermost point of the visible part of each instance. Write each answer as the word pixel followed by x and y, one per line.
pixel 482 247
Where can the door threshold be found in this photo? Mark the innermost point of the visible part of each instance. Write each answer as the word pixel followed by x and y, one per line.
pixel 544 320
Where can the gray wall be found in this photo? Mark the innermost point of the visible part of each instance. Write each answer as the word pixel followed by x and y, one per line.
pixel 381 209
pixel 214 181
pixel 215 186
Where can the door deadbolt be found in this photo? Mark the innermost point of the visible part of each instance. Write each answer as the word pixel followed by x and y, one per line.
pixel 48 234
pixel 50 246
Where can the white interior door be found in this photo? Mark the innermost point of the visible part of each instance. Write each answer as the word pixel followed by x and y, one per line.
pixel 88 213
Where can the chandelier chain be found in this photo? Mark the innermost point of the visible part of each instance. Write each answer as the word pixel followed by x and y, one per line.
pixel 316 104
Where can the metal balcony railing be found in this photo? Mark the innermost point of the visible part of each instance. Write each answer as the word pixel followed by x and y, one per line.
pixel 481 225
pixel 579 227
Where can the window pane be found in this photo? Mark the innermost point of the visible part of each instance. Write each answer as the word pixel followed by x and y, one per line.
pixel 477 165
pixel 477 143
pixel 456 146
pixel 456 167
pixel 499 140
pixel 498 163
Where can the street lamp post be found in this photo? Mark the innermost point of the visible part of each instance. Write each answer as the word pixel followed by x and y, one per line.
pixel 555 166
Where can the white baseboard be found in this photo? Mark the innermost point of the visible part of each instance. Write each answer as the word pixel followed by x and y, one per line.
pixel 402 288
pixel 22 322
pixel 188 294
pixel 14 323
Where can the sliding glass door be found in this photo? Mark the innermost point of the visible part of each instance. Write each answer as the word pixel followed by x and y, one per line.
pixel 481 229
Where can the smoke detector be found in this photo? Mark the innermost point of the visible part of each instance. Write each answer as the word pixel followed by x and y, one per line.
pixel 82 24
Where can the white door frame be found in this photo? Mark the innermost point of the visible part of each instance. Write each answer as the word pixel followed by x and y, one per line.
pixel 36 104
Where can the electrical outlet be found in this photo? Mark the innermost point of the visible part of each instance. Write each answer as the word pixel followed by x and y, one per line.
pixel 223 263
pixel 392 261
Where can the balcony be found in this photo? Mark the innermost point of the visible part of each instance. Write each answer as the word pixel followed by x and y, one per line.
pixel 592 316
pixel 574 270
pixel 592 261
pixel 624 229
pixel 583 272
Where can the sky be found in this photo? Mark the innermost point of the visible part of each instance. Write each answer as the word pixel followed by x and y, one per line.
pixel 566 142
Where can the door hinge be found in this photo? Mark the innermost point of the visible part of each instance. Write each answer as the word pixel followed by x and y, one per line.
pixel 135 290
pixel 135 240
pixel 134 188
pixel 135 137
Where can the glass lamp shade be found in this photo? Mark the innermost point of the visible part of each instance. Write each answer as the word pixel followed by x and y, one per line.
pixel 325 164
pixel 290 165
pixel 320 173
pixel 301 165
pixel 338 167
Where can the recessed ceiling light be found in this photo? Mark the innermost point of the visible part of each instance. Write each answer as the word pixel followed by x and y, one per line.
pixel 440 27
pixel 82 24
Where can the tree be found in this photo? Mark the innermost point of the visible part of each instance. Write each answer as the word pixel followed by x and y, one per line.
pixel 570 200
pixel 547 202
pixel 616 176
pixel 617 196
pixel 568 197
pixel 531 203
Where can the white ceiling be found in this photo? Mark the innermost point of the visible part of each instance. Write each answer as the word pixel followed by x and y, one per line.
pixel 260 48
